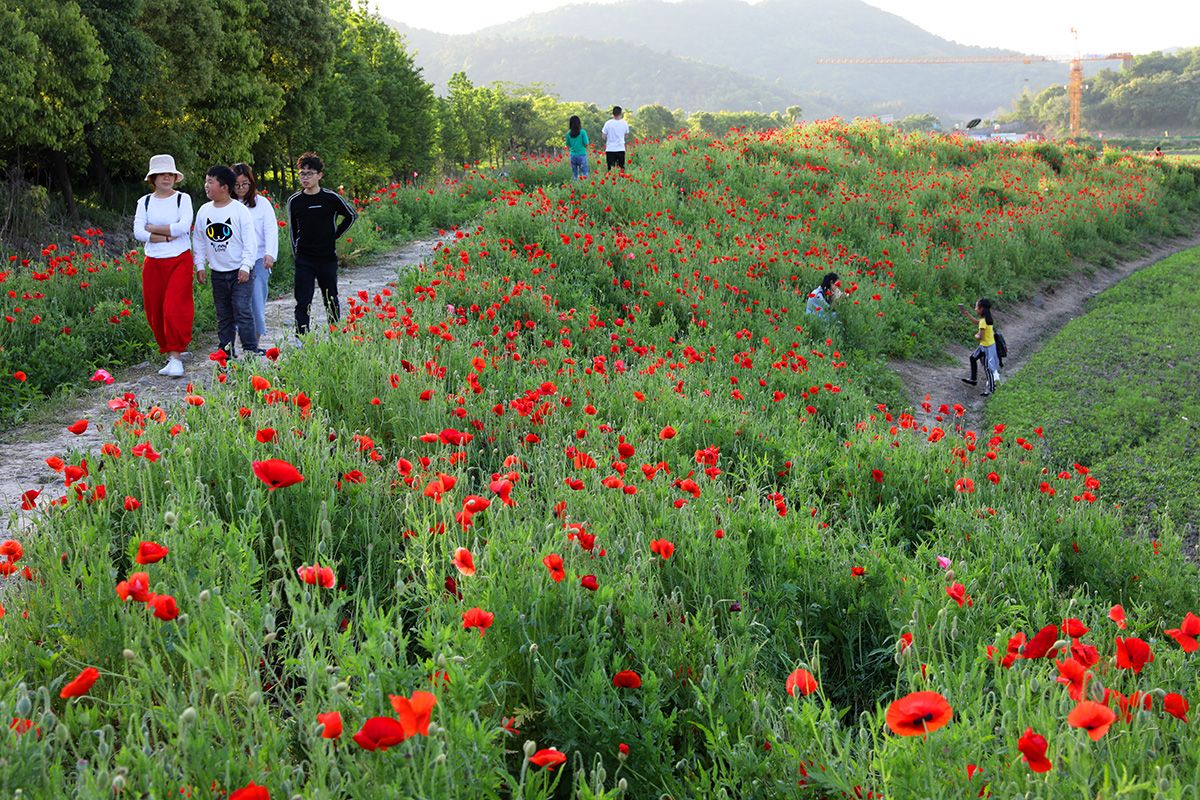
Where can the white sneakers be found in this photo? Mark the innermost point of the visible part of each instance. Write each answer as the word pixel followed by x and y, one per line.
pixel 173 369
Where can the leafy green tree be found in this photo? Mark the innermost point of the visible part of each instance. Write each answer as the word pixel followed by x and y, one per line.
pixel 655 121
pixel 68 88
pixel 18 77
pixel 919 122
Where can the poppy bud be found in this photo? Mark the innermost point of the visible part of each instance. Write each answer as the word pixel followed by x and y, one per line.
pixel 118 783
pixel 63 733
pixel 269 638
pixel 341 687
pixel 204 596
pixel 622 786
pixel 530 748
pixel 169 518
pixel 254 699
pixel 24 706
pixel 533 648
pixel 188 716
pixel 128 654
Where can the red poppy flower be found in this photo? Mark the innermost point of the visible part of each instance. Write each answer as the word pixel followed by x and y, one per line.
pixel 877 475
pixel 1133 653
pixel 666 433
pixel 414 712
pixel 958 593
pixel 1176 705
pixel 802 682
pixel 316 575
pixel 29 499
pixel 164 607
pixel 78 426
pixel 12 550
pixel 554 563
pixel 858 572
pixel 266 435
pixel 1039 646
pixel 906 640
pixel 1187 632
pixel 136 588
pixel 662 548
pixel 1093 717
pixel 332 720
pixel 380 733
pixel 277 473
pixel 1117 615
pixel 477 618
pixel 548 758
pixel 1074 628
pixel 251 791
pixel 918 713
pixel 627 679
pixel 82 683
pixel 132 503
pixel 150 553
pixel 464 562
pixel 259 383
pixel 589 582
pixel 146 450
pixel 1033 751
pixel 1074 676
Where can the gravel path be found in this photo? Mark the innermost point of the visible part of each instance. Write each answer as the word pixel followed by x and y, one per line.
pixel 1026 327
pixel 23 450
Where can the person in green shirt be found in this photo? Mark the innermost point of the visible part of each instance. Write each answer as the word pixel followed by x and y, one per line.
pixel 577 144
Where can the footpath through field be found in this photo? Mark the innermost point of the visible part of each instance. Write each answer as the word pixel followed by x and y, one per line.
pixel 1026 325
pixel 23 450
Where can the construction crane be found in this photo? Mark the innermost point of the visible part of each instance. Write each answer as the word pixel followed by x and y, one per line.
pixel 1074 82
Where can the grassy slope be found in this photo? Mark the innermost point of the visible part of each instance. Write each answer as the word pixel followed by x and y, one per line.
pixel 1120 389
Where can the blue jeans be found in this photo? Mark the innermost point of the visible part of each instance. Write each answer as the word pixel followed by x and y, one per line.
pixel 232 301
pixel 258 300
pixel 579 167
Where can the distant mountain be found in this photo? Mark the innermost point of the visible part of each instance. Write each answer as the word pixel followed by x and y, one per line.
pixel 605 73
pixel 726 54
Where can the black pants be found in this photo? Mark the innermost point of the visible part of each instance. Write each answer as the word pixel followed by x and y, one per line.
pixel 324 273
pixel 979 358
pixel 232 301
pixel 615 158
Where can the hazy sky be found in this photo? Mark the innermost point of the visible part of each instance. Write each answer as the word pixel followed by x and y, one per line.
pixel 1041 27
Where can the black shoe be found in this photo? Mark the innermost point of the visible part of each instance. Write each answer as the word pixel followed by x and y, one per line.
pixel 984 394
pixel 968 381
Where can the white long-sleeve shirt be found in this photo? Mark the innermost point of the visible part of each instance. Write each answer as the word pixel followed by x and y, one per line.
pixel 224 237
pixel 176 211
pixel 266 227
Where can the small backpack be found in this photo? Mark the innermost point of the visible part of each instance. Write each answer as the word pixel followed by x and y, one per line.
pixel 1001 348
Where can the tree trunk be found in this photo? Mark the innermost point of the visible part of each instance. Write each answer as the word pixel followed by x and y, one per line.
pixel 63 177
pixel 99 169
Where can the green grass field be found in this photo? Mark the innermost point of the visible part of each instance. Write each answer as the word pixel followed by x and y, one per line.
pixel 1119 388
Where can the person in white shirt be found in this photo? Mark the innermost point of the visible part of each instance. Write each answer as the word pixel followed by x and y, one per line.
pixel 224 238
pixel 266 228
pixel 615 132
pixel 163 221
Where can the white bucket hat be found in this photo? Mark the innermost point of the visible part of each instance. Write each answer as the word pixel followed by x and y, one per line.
pixel 163 163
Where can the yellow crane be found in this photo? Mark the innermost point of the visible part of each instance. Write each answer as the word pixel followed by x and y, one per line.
pixel 1074 82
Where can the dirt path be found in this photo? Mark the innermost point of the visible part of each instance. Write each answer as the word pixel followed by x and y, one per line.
pixel 23 450
pixel 1026 327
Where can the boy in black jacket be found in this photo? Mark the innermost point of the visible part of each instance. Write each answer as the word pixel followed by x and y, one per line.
pixel 313 215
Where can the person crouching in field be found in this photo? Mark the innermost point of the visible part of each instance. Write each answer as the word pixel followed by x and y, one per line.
pixel 313 215
pixel 163 221
pixel 577 148
pixel 822 298
pixel 985 353
pixel 266 230
pixel 224 238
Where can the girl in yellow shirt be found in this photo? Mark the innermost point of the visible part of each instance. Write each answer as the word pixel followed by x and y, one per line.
pixel 985 352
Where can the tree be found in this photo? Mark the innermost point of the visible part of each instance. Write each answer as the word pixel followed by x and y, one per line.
pixel 70 73
pixel 655 121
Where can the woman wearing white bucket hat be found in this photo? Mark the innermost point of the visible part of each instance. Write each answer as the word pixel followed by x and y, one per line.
pixel 163 221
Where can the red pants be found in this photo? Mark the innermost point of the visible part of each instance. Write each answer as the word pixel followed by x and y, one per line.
pixel 167 293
